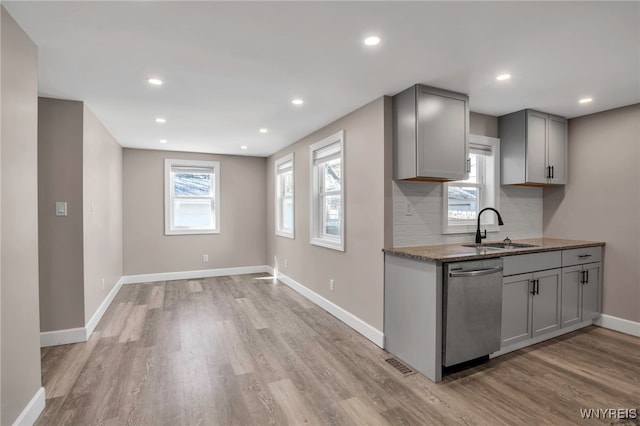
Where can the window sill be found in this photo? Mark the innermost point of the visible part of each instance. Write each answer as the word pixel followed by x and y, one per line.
pixel 289 235
pixel 330 244
pixel 191 232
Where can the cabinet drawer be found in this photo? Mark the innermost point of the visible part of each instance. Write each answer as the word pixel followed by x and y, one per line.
pixel 524 263
pixel 581 255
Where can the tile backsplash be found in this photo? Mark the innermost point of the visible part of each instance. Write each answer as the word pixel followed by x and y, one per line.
pixel 520 207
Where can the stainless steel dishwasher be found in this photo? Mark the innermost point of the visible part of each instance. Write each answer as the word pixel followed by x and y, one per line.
pixel 472 310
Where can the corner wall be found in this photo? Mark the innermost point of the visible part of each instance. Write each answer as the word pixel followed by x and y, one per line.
pixel 359 270
pixel 60 237
pixel 601 201
pixel 242 238
pixel 20 335
pixel 102 207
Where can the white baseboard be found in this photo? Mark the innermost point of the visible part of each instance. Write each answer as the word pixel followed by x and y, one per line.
pixel 368 331
pixel 97 316
pixel 80 334
pixel 619 324
pixel 188 275
pixel 63 337
pixel 32 410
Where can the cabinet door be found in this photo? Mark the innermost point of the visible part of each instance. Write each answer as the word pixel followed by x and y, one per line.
pixel 536 152
pixel 546 302
pixel 591 292
pixel 516 309
pixel 442 146
pixel 571 293
pixel 557 149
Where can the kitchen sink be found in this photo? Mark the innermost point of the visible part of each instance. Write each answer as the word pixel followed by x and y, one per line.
pixel 500 246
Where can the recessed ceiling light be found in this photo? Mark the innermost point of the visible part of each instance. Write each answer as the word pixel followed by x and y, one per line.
pixel 372 41
pixel 503 77
pixel 155 81
pixel 163 141
pixel 263 130
pixel 161 120
pixel 585 100
pixel 297 101
pixel 243 147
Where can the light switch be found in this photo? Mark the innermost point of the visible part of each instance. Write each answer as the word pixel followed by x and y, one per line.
pixel 61 208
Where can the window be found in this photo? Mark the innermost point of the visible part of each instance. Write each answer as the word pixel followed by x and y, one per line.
pixel 284 197
pixel 462 200
pixel 192 197
pixel 327 192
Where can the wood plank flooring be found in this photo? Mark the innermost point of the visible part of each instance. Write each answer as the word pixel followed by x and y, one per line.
pixel 243 350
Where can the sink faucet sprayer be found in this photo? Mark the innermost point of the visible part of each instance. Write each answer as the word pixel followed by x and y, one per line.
pixel 480 236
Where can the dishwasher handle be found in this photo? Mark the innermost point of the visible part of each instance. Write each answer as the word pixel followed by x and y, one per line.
pixel 476 273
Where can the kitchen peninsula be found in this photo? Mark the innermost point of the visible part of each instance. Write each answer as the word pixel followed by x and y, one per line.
pixel 549 287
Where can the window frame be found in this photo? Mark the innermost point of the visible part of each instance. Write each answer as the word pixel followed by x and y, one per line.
pixel 169 196
pixel 317 236
pixel 488 190
pixel 280 197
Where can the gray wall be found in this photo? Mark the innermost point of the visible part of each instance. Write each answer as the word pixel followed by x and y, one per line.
pixel 242 240
pixel 482 124
pixel 601 201
pixel 20 363
pixel 60 237
pixel 102 195
pixel 359 270
pixel 80 163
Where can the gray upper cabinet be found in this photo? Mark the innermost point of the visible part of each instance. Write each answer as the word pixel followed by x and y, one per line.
pixel 431 134
pixel 533 148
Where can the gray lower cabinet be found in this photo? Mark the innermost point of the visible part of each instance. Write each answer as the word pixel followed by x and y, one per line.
pixel 580 293
pixel 549 293
pixel 530 305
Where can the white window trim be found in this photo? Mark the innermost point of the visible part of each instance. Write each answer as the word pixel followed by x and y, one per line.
pixel 489 221
pixel 168 196
pixel 316 238
pixel 278 202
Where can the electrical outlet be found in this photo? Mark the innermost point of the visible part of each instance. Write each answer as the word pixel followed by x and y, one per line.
pixel 205 258
pixel 331 284
pixel 102 282
pixel 286 264
pixel 408 209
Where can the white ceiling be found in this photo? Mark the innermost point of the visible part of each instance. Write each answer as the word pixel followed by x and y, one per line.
pixel 231 68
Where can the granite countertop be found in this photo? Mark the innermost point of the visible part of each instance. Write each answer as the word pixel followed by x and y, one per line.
pixel 457 252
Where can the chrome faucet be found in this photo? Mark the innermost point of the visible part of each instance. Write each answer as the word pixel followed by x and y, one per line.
pixel 480 236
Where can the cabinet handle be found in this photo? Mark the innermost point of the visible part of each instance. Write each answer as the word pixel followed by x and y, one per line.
pixel 548 172
pixel 468 165
pixel 583 277
pixel 535 287
pixel 587 280
pixel 553 172
pixel 582 256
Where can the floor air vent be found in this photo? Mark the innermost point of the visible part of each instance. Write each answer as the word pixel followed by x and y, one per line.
pixel 404 369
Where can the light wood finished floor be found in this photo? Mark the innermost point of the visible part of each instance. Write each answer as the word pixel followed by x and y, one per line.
pixel 242 350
